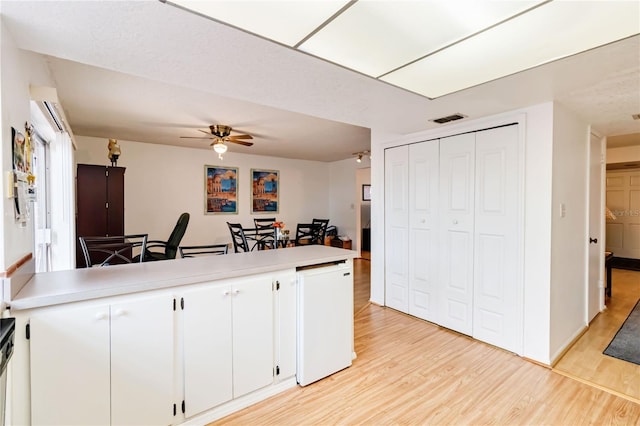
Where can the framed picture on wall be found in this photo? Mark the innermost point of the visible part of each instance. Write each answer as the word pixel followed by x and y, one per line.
pixel 220 190
pixel 265 191
pixel 366 192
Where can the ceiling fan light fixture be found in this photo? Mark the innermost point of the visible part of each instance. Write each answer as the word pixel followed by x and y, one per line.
pixel 220 148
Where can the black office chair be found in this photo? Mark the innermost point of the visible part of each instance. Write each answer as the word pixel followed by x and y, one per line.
pixel 307 234
pixel 112 250
pixel 193 251
pixel 324 223
pixel 239 239
pixel 169 247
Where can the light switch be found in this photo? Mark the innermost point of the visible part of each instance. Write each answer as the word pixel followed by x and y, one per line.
pixel 563 210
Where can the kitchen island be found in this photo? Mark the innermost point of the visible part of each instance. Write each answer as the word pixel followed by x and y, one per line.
pixel 184 341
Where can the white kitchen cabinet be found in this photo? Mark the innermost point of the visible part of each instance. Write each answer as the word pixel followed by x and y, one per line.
pixel 142 362
pixel 103 363
pixel 228 340
pixel 70 370
pixel 207 348
pixel 285 330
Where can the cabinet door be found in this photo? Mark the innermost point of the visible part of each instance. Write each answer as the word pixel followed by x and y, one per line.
pixel 207 348
pixel 497 299
pixel 424 165
pixel 457 179
pixel 142 345
pixel 70 366
pixel 252 316
pixel 396 228
pixel 285 327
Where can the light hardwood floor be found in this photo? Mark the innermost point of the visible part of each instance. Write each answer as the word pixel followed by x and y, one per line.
pixel 409 371
pixel 361 282
pixel 585 360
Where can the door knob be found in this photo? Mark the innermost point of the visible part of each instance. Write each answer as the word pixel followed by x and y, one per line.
pixel 593 241
pixel 455 221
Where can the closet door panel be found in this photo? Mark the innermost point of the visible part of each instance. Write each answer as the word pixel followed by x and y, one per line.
pixel 424 164
pixel 497 290
pixel 396 228
pixel 457 189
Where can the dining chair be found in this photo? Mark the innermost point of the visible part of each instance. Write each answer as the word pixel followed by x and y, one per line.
pixel 264 222
pixel 117 249
pixel 210 249
pixel 238 237
pixel 324 223
pixel 167 249
pixel 307 234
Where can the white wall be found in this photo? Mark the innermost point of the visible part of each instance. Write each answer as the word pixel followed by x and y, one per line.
pixel 536 128
pixel 19 69
pixel 163 181
pixel 569 232
pixel 623 154
pixel 343 198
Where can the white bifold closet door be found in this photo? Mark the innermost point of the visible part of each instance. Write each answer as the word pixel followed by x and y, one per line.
pixel 396 228
pixel 424 167
pixel 497 294
pixel 457 182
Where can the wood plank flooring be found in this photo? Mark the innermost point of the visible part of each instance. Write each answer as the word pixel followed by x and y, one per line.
pixel 409 371
pixel 361 282
pixel 585 360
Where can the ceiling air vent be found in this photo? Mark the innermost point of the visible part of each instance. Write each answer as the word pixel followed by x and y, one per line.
pixel 453 117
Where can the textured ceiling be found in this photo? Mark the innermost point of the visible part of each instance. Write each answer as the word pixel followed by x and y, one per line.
pixel 147 71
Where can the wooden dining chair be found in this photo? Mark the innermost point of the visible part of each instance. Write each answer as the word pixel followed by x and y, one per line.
pixel 238 238
pixel 210 249
pixel 112 250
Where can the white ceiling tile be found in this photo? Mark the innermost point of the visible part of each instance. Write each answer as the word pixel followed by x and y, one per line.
pixel 286 22
pixel 375 37
pixel 545 34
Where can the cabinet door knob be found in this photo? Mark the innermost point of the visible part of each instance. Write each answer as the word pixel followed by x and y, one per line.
pixel 226 293
pixel 423 221
pixel 119 312
pixel 101 316
pixel 455 221
pixel 236 291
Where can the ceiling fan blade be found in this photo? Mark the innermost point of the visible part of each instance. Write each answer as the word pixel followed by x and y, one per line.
pixel 240 137
pixel 195 137
pixel 204 131
pixel 240 142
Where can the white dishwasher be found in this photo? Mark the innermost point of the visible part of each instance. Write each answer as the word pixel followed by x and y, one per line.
pixel 325 320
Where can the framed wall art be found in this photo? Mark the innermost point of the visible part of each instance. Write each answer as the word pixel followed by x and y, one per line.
pixel 265 191
pixel 221 190
pixel 366 192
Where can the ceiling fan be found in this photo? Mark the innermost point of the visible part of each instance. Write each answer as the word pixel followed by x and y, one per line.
pixel 221 134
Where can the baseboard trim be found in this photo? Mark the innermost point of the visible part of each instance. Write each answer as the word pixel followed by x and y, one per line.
pixel 555 359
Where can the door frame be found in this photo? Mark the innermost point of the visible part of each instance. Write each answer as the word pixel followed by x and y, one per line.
pixel 600 230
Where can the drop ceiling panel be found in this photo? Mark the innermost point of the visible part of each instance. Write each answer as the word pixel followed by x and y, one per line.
pixel 375 37
pixel 520 44
pixel 286 22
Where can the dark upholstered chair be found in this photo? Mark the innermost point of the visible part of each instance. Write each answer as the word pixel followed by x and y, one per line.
pixel 117 249
pixel 238 238
pixel 169 248
pixel 193 251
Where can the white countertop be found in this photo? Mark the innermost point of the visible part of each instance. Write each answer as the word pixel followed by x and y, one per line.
pixel 53 288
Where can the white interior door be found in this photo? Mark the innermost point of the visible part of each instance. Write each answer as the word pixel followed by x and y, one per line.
pixel 424 166
pixel 595 291
pixel 497 301
pixel 457 181
pixel 623 199
pixel 396 228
